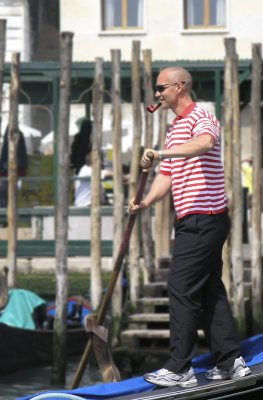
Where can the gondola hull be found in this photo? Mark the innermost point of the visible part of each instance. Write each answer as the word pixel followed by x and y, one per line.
pixel 24 347
pixel 249 387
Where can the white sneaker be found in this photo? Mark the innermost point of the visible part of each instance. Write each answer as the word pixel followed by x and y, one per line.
pixel 239 370
pixel 165 378
pixel 216 373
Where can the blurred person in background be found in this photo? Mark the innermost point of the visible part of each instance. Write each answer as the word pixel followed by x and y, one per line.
pixel 81 145
pixel 21 164
pixel 82 197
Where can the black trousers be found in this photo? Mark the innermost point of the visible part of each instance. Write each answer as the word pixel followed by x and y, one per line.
pixel 197 294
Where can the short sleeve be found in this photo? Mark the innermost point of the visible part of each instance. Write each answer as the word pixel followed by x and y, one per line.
pixel 166 167
pixel 205 126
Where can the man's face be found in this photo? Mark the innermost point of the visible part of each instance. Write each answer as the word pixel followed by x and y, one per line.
pixel 168 88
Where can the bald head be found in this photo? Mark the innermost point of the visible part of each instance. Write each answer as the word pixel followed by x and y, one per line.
pixel 177 74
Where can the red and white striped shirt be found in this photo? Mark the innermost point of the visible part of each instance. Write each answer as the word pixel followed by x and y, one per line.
pixel 198 184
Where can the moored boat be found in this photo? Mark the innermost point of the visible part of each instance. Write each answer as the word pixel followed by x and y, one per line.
pixel 26 332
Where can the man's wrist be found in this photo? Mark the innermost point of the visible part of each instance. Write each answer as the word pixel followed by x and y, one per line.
pixel 161 156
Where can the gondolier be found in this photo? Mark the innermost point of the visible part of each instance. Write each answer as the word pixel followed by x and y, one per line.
pixel 191 168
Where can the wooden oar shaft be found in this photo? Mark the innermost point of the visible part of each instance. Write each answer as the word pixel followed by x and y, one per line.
pixel 114 276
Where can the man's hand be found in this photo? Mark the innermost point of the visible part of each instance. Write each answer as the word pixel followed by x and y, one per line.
pixel 146 162
pixel 135 208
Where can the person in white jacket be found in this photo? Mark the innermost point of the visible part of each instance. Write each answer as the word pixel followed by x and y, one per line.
pixel 83 187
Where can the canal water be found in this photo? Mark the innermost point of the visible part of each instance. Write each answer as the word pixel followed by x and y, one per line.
pixel 37 379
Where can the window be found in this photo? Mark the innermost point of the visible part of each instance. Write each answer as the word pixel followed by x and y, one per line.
pixel 122 14
pixel 201 14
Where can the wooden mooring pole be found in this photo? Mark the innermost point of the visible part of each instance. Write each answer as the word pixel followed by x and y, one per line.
pixel 162 217
pixel 98 96
pixel 256 258
pixel 134 253
pixel 236 233
pixel 2 64
pixel 237 238
pixel 228 158
pixel 60 322
pixel 13 139
pixel 147 236
pixel 118 192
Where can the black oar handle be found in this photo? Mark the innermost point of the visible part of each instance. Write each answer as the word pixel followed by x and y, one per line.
pixel 143 180
pixel 138 196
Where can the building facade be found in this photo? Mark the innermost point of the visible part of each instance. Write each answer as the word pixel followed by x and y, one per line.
pixel 173 29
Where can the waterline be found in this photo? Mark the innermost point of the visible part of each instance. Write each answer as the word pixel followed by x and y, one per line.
pixel 37 379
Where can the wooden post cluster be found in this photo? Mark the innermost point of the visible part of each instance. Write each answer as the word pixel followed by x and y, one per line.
pixel 233 250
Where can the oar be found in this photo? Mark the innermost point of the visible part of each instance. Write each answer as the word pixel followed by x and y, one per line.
pixel 114 276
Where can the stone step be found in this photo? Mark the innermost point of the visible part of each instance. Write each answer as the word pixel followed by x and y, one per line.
pixel 145 337
pixel 148 337
pixel 146 333
pixel 149 321
pixel 156 285
pixel 155 289
pixel 157 305
pixel 150 317
pixel 153 305
pixel 164 263
pixel 159 301
pixel 161 274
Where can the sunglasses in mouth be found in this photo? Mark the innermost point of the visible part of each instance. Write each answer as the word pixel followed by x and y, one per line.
pixel 161 88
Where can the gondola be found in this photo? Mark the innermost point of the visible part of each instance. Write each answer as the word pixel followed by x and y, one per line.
pixel 21 347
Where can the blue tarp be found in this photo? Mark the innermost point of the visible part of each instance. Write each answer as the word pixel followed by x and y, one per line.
pixel 252 351
pixel 72 301
pixel 20 307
